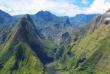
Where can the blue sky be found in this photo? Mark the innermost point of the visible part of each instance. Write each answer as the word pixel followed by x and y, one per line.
pixel 58 7
pixel 83 3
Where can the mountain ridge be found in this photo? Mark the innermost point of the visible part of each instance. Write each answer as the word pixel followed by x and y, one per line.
pixel 23 47
pixel 84 52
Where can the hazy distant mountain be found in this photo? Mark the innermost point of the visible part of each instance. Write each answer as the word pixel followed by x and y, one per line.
pixel 50 25
pixel 18 16
pixel 4 17
pixel 6 24
pixel 80 20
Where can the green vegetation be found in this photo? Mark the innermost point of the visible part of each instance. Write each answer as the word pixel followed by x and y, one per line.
pixel 50 25
pixel 23 60
pixel 51 48
pixel 84 52
pixel 98 62
pixel 6 24
pixel 23 51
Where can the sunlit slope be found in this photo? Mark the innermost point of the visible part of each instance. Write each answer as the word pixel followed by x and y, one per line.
pixel 85 46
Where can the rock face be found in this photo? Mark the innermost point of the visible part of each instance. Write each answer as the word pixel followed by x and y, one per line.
pixel 62 37
pixel 65 35
pixel 23 51
pixel 67 22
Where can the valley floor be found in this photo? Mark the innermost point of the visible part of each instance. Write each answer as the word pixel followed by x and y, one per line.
pixel 55 71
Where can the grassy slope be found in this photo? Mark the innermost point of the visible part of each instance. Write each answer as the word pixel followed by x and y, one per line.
pixel 23 51
pixel 99 61
pixel 23 60
pixel 51 47
pixel 82 44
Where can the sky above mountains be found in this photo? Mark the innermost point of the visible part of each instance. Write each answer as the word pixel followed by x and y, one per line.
pixel 58 7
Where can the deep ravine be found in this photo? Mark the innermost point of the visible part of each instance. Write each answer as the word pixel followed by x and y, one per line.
pixel 53 71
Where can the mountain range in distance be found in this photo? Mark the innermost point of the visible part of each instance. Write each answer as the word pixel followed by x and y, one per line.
pixel 48 24
pixel 44 43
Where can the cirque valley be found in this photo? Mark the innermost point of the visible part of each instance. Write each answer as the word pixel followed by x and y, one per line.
pixel 45 43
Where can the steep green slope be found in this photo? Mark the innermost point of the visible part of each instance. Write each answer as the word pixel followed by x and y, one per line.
pixel 9 22
pixel 99 61
pixel 23 51
pixel 84 49
pixel 6 24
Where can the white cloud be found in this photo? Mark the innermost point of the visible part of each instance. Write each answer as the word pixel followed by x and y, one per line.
pixel 64 7
pixel 85 2
pixel 108 13
pixel 33 6
pixel 108 18
pixel 98 6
